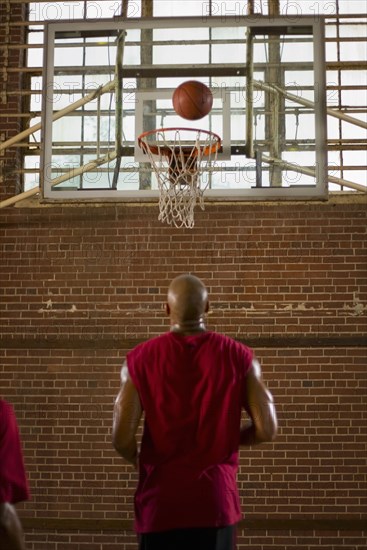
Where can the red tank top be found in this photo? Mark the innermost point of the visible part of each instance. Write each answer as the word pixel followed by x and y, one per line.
pixel 13 480
pixel 191 389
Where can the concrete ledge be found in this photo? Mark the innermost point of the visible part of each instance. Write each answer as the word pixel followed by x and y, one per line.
pixel 61 342
pixel 349 523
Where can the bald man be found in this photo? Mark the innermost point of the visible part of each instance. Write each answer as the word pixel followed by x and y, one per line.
pixel 192 385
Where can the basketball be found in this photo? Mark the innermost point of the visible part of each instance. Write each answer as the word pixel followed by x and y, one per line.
pixel 192 100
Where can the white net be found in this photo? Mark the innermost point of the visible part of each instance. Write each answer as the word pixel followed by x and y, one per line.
pixel 179 156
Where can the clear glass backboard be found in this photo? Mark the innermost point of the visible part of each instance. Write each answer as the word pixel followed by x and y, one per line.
pixel 106 82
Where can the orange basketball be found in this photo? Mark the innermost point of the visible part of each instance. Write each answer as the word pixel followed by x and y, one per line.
pixel 192 100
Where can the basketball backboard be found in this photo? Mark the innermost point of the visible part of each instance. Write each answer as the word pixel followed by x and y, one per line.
pixel 267 77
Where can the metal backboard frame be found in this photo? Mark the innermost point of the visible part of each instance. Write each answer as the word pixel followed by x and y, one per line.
pixel 289 26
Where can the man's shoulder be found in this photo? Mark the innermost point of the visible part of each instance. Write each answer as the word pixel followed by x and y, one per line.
pixel 230 340
pixel 7 418
pixel 151 343
pixel 143 353
pixel 5 408
pixel 234 346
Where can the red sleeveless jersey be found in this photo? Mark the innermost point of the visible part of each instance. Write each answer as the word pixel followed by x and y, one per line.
pixel 13 479
pixel 191 389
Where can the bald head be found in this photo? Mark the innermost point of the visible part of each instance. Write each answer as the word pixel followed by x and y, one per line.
pixel 187 299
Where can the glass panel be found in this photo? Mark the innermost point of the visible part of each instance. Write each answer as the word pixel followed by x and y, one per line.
pixel 349 6
pixel 355 176
pixel 61 165
pixel 35 37
pixel 32 178
pixel 172 53
pixel 355 51
pixel 260 50
pixel 300 50
pixel 65 127
pixel 332 94
pixel 355 78
pixel 36 136
pixel 353 158
pixel 314 7
pixel 100 55
pixel 240 175
pixel 174 8
pixel 331 52
pixel 168 55
pixel 47 11
pixel 357 29
pixel 35 57
pixel 224 52
pixel 295 81
pixel 65 56
pixel 350 131
pixel 177 34
pixel 36 97
pixel 332 127
pixel 330 30
pixel 229 34
pixel 354 98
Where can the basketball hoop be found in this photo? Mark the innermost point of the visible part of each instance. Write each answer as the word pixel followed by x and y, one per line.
pixel 178 164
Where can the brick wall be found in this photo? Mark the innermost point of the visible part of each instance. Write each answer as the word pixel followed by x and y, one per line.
pixel 82 285
pixel 11 58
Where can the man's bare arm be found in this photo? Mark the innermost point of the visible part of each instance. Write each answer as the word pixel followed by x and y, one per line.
pixel 11 532
pixel 259 405
pixel 126 417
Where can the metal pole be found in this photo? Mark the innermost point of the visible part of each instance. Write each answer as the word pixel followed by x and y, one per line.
pixel 59 114
pixel 309 172
pixel 71 174
pixel 250 87
pixel 118 111
pixel 274 123
pixel 118 90
pixel 118 95
pixel 149 121
pixel 273 88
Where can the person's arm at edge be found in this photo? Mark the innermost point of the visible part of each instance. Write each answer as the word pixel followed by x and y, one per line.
pixel 126 417
pixel 11 532
pixel 259 405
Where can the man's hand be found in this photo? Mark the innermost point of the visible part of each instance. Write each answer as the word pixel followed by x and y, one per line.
pixel 259 405
pixel 126 417
pixel 11 532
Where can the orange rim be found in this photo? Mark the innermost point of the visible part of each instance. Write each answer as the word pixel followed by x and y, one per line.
pixel 186 149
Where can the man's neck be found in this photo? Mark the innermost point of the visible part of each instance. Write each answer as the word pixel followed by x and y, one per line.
pixel 188 327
